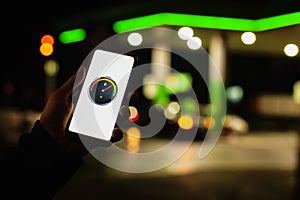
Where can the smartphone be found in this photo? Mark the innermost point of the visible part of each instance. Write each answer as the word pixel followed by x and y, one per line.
pixel 101 95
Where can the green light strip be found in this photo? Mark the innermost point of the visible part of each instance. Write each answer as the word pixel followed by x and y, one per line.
pixel 71 36
pixel 278 21
pixel 212 22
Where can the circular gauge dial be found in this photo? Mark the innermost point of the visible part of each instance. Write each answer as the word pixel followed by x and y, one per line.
pixel 103 90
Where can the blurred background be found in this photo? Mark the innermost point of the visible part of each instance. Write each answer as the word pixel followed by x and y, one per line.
pixel 256 47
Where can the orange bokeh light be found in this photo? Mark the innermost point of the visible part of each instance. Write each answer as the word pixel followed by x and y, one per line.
pixel 47 39
pixel 185 122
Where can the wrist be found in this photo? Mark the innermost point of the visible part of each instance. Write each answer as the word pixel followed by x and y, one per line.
pixel 59 137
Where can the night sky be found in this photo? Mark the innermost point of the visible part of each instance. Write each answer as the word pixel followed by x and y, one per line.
pixel 22 27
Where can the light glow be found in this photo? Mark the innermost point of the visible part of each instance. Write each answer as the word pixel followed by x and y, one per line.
pixel 185 33
pixel 209 122
pixel 189 105
pixel 51 67
pixel 134 115
pixel 234 93
pixel 291 50
pixel 71 36
pixel 194 43
pixel 169 115
pixel 173 107
pixel 47 39
pixel 248 38
pixel 135 39
pixel 172 110
pixel 46 49
pixel 213 22
pixel 179 82
pixel 185 122
pixel 133 139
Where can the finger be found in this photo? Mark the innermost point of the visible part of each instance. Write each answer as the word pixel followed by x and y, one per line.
pixel 66 88
pixel 117 135
pixel 80 76
pixel 81 72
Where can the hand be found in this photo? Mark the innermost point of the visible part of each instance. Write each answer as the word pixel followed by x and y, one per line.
pixel 57 112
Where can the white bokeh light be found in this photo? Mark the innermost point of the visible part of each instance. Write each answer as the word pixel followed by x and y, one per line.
pixel 234 93
pixel 185 33
pixel 291 50
pixel 194 43
pixel 248 38
pixel 135 39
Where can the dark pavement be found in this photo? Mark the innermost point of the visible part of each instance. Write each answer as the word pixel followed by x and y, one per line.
pixel 259 166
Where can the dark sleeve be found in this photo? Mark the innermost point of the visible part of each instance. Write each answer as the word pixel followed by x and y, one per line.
pixel 37 168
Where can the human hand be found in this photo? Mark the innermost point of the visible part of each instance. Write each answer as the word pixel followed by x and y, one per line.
pixel 57 112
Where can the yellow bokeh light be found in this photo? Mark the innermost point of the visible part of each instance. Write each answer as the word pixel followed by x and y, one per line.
pixel 132 148
pixel 150 90
pixel 46 49
pixel 51 67
pixel 134 132
pixel 185 122
pixel 133 139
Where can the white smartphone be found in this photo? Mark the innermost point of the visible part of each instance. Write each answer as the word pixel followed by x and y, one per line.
pixel 101 95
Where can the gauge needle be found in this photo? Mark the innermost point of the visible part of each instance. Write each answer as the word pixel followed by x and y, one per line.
pixel 106 88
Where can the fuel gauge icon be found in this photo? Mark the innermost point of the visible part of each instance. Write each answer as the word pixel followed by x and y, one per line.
pixel 103 90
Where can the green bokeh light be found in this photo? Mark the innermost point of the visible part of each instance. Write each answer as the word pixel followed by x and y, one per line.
pixel 71 36
pixel 213 22
pixel 177 83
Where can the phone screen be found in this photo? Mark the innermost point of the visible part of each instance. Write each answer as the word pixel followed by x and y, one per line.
pixel 101 95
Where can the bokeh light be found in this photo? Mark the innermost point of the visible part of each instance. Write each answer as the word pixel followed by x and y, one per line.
pixel 189 105
pixel 172 110
pixel 47 39
pixel 179 82
pixel 248 38
pixel 135 39
pixel 134 115
pixel 46 49
pixel 71 36
pixel 185 122
pixel 234 94
pixel 133 139
pixel 51 67
pixel 209 122
pixel 291 50
pixel 194 43
pixel 185 33
pixel 173 107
